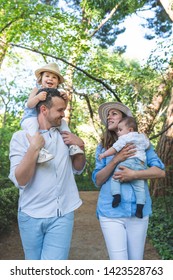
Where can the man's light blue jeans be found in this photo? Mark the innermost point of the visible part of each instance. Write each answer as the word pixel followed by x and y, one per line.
pixel 47 238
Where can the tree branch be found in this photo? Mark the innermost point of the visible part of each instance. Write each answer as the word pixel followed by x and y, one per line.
pixel 90 110
pixel 76 67
pixel 105 20
pixel 88 103
pixel 161 132
pixel 6 26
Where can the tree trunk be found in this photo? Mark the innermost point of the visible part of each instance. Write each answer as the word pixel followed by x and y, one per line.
pixel 165 152
pixel 148 120
pixel 168 6
pixel 69 86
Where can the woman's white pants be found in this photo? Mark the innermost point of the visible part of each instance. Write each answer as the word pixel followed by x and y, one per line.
pixel 125 237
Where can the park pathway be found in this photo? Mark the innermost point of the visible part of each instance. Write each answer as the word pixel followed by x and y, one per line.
pixel 87 241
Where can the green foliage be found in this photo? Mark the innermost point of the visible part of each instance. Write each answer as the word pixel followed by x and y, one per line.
pixel 6 131
pixel 8 207
pixel 80 125
pixel 161 226
pixel 84 181
pixel 160 24
pixel 68 35
pixel 133 84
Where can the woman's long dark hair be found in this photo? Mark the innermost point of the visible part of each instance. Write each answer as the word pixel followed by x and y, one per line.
pixel 109 137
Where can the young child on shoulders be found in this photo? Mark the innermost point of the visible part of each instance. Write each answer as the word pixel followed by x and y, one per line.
pixel 48 76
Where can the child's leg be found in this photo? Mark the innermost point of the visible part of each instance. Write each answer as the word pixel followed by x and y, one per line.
pixel 73 149
pixel 64 126
pixel 31 126
pixel 115 190
pixel 138 186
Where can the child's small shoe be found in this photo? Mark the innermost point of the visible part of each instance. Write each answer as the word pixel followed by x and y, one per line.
pixel 116 200
pixel 139 213
pixel 74 149
pixel 44 156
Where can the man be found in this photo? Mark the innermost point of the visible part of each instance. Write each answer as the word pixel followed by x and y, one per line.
pixel 48 192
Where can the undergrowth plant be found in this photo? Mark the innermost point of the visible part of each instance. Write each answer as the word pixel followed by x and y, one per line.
pixel 161 226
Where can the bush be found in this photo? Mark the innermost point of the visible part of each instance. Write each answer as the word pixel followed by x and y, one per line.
pixel 84 181
pixel 8 207
pixel 161 226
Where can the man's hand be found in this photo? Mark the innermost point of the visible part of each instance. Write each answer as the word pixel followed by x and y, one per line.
pixel 37 141
pixel 71 139
pixel 26 168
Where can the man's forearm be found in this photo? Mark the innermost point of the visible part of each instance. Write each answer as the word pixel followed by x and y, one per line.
pixel 79 161
pixel 26 169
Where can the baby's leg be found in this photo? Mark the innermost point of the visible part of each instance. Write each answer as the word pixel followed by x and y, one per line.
pixel 73 149
pixel 138 186
pixel 115 190
pixel 31 126
pixel 64 126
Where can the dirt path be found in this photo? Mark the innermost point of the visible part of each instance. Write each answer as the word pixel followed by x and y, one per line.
pixel 87 241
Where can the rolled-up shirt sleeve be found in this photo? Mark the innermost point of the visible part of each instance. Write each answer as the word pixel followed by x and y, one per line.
pixel 18 148
pixel 78 172
pixel 153 159
pixel 99 164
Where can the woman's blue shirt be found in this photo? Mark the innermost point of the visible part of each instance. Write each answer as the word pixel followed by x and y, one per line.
pixel 127 207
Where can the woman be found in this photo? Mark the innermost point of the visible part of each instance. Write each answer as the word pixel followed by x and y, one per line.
pixel 124 233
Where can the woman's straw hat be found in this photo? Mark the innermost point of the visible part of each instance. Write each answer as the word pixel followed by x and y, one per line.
pixel 105 107
pixel 51 67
